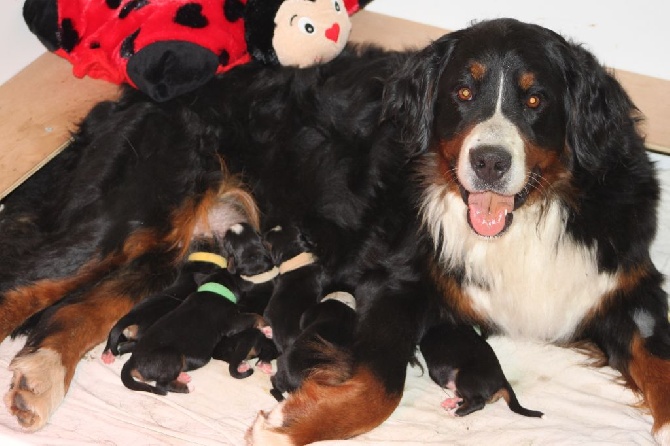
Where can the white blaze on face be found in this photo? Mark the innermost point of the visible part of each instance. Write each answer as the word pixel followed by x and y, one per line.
pixel 497 131
pixel 309 32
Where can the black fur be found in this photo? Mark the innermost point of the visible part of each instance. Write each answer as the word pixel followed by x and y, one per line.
pixel 458 358
pixel 294 291
pixel 185 338
pixel 326 333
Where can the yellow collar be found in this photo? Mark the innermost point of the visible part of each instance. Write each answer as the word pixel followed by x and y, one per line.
pixel 208 257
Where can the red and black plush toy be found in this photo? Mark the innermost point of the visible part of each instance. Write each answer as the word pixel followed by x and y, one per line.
pixel 168 47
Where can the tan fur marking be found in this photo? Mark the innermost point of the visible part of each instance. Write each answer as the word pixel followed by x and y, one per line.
pixel 21 303
pixel 454 295
pixel 526 80
pixel 554 179
pixel 478 70
pixel 651 375
pixel 319 412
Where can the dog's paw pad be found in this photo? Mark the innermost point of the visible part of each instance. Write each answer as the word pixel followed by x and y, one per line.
pixel 265 367
pixel 184 378
pixel 267 331
pixel 107 357
pixel 451 403
pixel 243 367
pixel 36 389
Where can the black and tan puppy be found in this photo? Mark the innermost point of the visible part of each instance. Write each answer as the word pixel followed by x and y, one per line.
pixel 185 338
pixel 298 286
pixel 327 332
pixel 236 350
pixel 204 260
pixel 461 360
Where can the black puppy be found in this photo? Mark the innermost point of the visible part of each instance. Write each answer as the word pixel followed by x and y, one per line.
pixel 203 261
pixel 327 334
pixel 236 350
pixel 185 338
pixel 297 287
pixel 460 359
pixel 249 257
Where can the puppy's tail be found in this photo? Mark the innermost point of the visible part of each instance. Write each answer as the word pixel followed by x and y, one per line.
pixel 128 373
pixel 513 403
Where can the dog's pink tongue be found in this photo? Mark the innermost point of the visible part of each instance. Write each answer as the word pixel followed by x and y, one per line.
pixel 488 212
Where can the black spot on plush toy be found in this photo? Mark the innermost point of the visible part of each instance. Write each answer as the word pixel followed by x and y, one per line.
pixel 168 47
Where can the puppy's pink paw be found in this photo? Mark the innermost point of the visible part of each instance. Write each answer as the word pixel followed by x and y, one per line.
pixel 243 367
pixel 265 367
pixel 184 378
pixel 451 403
pixel 107 357
pixel 267 331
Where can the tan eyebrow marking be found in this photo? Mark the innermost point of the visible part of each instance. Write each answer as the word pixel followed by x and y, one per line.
pixel 526 80
pixel 477 69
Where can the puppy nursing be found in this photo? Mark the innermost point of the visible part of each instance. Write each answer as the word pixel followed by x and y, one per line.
pixel 182 329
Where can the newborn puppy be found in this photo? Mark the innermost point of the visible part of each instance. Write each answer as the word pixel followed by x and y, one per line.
pixel 249 257
pixel 236 350
pixel 130 328
pixel 327 333
pixel 297 287
pixel 184 339
pixel 461 360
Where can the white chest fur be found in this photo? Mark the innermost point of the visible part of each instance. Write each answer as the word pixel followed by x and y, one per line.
pixel 533 281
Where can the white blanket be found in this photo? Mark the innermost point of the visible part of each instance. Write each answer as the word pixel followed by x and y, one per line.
pixel 582 405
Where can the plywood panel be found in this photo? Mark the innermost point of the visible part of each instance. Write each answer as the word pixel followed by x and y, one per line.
pixel 39 108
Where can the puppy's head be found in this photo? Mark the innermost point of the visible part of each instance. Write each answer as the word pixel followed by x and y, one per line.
pixel 286 241
pixel 245 251
pixel 504 113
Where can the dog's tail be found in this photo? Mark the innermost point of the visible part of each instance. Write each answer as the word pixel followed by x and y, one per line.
pixel 306 416
pixel 128 373
pixel 509 396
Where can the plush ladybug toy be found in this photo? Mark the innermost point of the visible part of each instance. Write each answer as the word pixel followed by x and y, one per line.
pixel 168 47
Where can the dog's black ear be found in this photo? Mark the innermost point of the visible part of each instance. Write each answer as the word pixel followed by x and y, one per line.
pixel 410 95
pixel 602 119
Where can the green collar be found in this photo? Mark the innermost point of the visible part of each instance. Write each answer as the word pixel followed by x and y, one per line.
pixel 219 289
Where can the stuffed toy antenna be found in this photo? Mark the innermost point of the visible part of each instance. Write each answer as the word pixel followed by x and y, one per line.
pixel 168 47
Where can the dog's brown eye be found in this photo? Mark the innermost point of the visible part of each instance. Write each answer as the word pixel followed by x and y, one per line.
pixel 533 101
pixel 464 94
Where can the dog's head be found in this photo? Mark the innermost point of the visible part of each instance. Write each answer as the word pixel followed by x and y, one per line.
pixel 505 113
pixel 245 251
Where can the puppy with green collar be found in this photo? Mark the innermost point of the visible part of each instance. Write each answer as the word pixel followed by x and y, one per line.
pixel 185 338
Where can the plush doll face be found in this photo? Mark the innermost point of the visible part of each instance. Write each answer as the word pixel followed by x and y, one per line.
pixel 308 32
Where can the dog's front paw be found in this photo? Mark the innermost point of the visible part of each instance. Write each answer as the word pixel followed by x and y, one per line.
pixel 37 387
pixel 662 435
pixel 264 431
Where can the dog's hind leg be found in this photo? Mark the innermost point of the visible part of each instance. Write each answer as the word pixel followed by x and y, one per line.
pixel 44 368
pixel 633 330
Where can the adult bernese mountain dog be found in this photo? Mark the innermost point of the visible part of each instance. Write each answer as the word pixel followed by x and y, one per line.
pixel 496 178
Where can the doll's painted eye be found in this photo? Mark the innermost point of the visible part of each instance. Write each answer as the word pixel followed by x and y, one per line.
pixel 337 5
pixel 305 24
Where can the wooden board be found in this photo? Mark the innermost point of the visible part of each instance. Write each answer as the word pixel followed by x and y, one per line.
pixel 39 108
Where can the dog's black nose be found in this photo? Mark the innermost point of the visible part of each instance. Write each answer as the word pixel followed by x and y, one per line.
pixel 490 163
